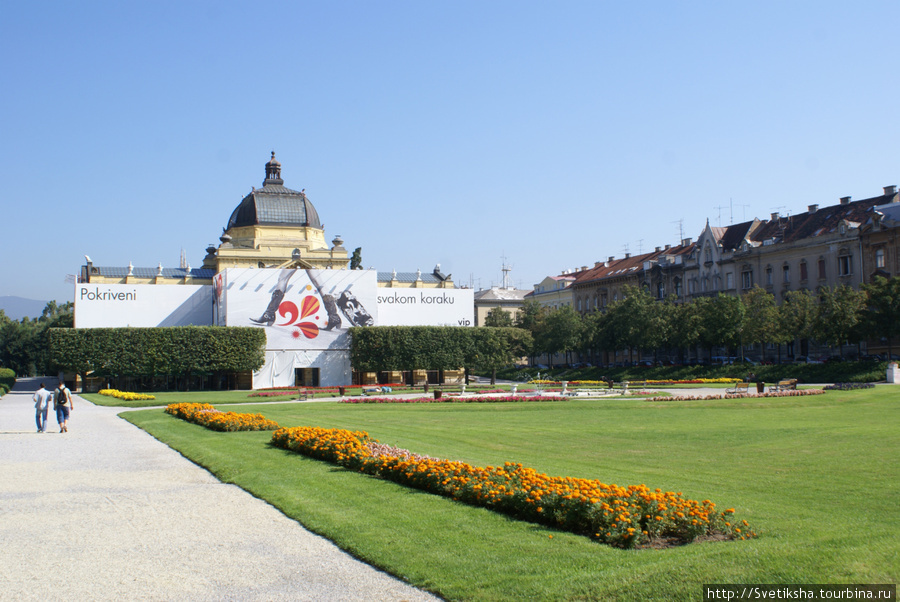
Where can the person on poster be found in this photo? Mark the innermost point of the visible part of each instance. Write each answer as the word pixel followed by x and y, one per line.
pixel 63 402
pixel 268 316
pixel 42 400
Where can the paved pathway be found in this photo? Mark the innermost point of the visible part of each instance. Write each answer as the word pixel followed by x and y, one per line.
pixel 106 512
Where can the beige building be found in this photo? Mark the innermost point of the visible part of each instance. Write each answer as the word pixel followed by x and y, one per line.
pixel 508 299
pixel 553 292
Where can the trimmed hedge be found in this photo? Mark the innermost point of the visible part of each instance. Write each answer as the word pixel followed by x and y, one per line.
pixel 157 351
pixel 378 348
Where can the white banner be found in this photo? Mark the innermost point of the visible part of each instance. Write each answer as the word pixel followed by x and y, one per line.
pixel 426 307
pixel 142 305
pixel 301 309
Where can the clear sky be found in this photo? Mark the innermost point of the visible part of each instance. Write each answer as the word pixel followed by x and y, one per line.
pixel 554 134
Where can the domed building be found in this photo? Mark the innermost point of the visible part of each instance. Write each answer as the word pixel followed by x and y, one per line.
pixel 275 226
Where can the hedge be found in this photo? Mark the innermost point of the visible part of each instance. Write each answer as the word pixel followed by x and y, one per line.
pixel 157 351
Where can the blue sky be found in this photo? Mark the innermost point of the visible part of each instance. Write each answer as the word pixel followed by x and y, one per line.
pixel 553 134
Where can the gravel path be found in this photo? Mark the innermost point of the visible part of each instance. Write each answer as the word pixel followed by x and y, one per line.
pixel 106 512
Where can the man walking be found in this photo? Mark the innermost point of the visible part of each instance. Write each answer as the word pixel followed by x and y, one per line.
pixel 41 407
pixel 62 397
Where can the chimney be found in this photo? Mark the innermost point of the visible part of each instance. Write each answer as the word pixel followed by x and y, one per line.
pixel 627 255
pixel 813 208
pixel 845 200
pixel 611 258
pixel 668 247
pixel 686 242
pixel 584 268
pixel 658 249
pixel 774 216
pixel 890 190
pixel 597 264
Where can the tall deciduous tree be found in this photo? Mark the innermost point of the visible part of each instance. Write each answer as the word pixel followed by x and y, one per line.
pixel 760 318
pixel 882 315
pixel 722 321
pixel 562 331
pixel 840 312
pixel 498 318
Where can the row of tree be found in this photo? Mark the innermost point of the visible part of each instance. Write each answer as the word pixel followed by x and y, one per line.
pixel 24 345
pixel 638 323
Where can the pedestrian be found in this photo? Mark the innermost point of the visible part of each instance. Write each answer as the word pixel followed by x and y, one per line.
pixel 42 400
pixel 61 396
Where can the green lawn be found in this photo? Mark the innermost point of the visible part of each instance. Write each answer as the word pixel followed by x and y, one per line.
pixel 817 477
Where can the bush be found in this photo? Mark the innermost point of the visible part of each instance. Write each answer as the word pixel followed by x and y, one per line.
pixel 7 377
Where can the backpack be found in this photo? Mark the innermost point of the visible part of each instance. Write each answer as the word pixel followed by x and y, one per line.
pixel 60 397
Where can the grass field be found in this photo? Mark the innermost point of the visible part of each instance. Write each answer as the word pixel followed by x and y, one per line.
pixel 817 477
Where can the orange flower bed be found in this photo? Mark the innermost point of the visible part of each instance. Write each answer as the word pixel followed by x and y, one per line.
pixel 206 415
pixel 624 517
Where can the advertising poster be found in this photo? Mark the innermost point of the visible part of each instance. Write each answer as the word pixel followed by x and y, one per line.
pixel 426 307
pixel 142 305
pixel 301 309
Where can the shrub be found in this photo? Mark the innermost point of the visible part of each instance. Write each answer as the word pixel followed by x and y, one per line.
pixel 7 377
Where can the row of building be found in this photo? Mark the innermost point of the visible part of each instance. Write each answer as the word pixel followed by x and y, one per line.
pixel 849 242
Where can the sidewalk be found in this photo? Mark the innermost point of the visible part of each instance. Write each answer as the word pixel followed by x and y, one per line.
pixel 106 512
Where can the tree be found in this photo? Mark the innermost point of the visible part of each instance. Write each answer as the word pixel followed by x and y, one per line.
pixel 722 321
pixel 684 324
pixel 356 259
pixel 637 321
pixel 760 318
pixel 796 316
pixel 531 318
pixel 840 313
pixel 562 331
pixel 495 348
pixel 498 318
pixel 882 315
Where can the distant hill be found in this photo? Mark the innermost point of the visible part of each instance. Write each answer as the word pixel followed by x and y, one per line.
pixel 18 307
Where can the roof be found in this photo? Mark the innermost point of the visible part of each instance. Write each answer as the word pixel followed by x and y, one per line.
pixel 822 221
pixel 629 265
pixel 274 204
pixel 497 294
pixel 408 277
pixel 175 273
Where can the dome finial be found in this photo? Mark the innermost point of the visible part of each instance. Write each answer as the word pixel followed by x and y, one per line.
pixel 273 172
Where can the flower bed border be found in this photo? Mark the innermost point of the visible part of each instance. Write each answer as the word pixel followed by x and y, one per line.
pixel 799 393
pixel 625 517
pixel 453 399
pixel 206 415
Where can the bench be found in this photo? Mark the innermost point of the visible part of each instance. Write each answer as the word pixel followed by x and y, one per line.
pixel 739 389
pixel 786 384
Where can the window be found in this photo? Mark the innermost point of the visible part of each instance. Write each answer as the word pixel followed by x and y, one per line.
pixel 768 276
pixel 729 281
pixel 844 265
pixel 708 256
pixel 786 274
pixel 803 273
pixel 660 290
pixel 677 286
pixel 879 258
pixel 747 280
pixel 821 269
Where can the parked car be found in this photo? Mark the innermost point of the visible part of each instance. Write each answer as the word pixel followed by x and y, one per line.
pixel 803 359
